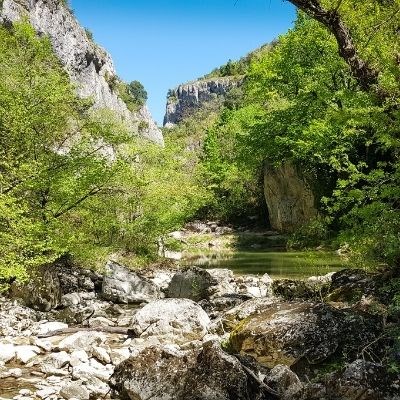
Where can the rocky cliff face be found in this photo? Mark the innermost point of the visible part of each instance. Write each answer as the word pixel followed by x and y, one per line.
pixel 289 198
pixel 187 98
pixel 88 65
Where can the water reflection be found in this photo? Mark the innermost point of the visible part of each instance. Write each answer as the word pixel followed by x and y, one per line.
pixel 277 264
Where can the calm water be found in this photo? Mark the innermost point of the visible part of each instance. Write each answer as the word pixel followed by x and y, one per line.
pixel 281 264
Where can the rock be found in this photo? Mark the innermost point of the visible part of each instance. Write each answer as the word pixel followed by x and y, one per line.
pixel 119 355
pixel 100 322
pixel 231 317
pixel 79 357
pixel 89 66
pixel 360 380
pixel 187 98
pixel 349 285
pixel 70 299
pixel 255 286
pixel 289 197
pixel 203 374
pixel 284 381
pixel 74 390
pixel 45 393
pixel 50 327
pixel 225 282
pixel 42 292
pixel 55 361
pixel 24 354
pixel 298 289
pixel 174 320
pixel 92 371
pixel 101 354
pixel 42 344
pixel 191 283
pixel 303 334
pixel 81 341
pixel 7 352
pixel 124 286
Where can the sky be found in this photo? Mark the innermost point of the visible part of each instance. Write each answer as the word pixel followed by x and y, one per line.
pixel 163 43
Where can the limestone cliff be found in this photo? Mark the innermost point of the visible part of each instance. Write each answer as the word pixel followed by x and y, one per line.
pixel 289 197
pixel 184 100
pixel 88 65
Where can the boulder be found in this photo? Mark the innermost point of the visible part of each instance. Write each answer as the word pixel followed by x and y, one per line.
pixel 192 283
pixel 207 373
pixel 289 197
pixel 47 327
pixel 74 390
pixel 282 379
pixel 300 334
pixel 121 285
pixel 173 320
pixel 360 380
pixel 81 341
pixel 290 289
pixel 24 354
pixel 7 352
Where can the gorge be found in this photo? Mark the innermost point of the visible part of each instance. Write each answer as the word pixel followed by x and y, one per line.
pixel 247 250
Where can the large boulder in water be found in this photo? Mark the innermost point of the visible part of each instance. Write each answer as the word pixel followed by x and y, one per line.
pixel 171 320
pixel 207 373
pixel 300 334
pixel 121 285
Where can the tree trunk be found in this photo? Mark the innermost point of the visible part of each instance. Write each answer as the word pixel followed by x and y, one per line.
pixel 365 75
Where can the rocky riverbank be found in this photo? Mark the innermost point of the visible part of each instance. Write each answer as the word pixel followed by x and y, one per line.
pixel 195 334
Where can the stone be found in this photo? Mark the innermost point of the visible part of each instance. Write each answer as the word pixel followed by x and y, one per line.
pixel 7 352
pixel 119 355
pixel 282 379
pixel 101 354
pixel 74 390
pixel 47 327
pixel 124 286
pixel 100 322
pixel 87 371
pixel 359 380
pixel 191 283
pixel 82 341
pixel 289 197
pixel 78 357
pixel 236 314
pixel 70 299
pixel 24 354
pixel 55 361
pixel 303 334
pixel 207 373
pixel 45 393
pixel 290 289
pixel 173 320
pixel 42 344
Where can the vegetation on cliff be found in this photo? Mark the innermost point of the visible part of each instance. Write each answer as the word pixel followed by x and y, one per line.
pixel 73 180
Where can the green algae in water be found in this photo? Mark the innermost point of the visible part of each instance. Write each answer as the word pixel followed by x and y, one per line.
pixel 277 264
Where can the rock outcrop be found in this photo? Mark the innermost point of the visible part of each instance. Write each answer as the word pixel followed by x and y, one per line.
pixel 89 66
pixel 205 374
pixel 289 198
pixel 184 100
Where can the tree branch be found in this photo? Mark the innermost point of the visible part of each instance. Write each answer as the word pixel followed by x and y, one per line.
pixel 365 75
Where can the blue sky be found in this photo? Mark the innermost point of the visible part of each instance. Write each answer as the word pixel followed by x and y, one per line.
pixel 163 43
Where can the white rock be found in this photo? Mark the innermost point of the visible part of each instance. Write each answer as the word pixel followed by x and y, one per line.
pixel 82 341
pixel 119 355
pixel 45 393
pixel 78 357
pixel 24 354
pixel 57 360
pixel 101 354
pixel 100 322
pixel 74 390
pixel 7 352
pixel 172 320
pixel 50 326
pixel 43 344
pixel 70 299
